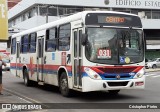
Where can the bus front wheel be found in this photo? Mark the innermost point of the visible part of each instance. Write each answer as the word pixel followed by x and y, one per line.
pixel 64 89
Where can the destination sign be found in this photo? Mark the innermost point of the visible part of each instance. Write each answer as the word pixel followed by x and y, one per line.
pixel 111 19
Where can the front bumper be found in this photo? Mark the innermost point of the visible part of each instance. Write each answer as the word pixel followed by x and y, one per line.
pixel 148 65
pixel 103 85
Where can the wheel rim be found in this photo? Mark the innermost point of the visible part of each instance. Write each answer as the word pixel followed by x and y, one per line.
pixel 64 85
pixel 25 77
pixel 25 80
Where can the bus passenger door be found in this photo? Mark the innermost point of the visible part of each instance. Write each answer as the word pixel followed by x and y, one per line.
pixel 18 60
pixel 77 59
pixel 40 59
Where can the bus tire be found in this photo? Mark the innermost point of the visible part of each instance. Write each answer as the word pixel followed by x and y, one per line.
pixel 64 89
pixel 27 82
pixel 113 92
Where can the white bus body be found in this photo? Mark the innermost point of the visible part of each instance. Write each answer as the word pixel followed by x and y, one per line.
pixel 63 53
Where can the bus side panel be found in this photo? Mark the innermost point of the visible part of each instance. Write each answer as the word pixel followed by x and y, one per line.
pixel 13 64
pixel 24 63
pixel 51 65
pixel 50 68
pixel 32 70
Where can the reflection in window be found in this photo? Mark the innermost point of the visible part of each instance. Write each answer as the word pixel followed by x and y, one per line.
pixel 130 42
pixel 13 46
pixel 32 43
pixel 51 40
pixel 75 44
pixel 64 37
pixel 80 37
pixel 24 44
pixel 109 46
pixel 107 43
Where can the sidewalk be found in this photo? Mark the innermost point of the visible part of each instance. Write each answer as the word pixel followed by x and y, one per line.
pixel 152 70
pixel 8 98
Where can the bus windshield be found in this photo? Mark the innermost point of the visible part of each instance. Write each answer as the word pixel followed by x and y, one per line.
pixel 114 45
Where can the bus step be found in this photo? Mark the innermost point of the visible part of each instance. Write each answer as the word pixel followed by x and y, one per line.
pixel 41 83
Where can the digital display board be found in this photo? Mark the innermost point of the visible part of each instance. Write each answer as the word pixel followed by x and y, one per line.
pixel 109 19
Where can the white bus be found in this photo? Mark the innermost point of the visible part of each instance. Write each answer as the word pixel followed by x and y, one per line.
pixel 87 51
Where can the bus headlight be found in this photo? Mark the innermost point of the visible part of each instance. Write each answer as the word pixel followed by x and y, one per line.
pixel 92 74
pixel 140 74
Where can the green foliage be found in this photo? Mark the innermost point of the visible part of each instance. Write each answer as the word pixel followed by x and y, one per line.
pixel 152 54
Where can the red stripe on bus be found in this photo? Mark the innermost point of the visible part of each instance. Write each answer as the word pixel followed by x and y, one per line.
pixel 50 67
pixel 99 69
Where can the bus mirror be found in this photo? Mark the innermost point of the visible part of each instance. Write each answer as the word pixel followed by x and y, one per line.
pixel 84 39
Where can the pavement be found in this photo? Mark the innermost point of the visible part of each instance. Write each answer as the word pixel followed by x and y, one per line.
pixel 9 97
pixel 152 70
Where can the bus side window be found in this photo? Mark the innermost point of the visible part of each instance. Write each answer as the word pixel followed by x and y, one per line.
pixel 13 46
pixel 32 42
pixel 51 40
pixel 24 44
pixel 64 37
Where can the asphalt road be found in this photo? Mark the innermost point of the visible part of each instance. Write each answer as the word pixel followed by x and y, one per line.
pixel 51 94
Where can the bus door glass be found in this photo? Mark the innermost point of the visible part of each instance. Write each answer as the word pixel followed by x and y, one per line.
pixel 40 60
pixel 18 60
pixel 77 60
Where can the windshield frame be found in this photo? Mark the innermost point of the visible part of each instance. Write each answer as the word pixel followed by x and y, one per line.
pixel 117 44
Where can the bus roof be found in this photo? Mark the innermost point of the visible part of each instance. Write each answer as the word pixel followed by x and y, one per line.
pixel 77 16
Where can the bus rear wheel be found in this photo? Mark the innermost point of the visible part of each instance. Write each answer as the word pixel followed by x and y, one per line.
pixel 64 89
pixel 113 92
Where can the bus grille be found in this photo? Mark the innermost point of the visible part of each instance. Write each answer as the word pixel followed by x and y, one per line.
pixel 115 76
pixel 117 83
pixel 118 70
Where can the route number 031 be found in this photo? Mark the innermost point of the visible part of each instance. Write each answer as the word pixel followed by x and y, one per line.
pixel 104 53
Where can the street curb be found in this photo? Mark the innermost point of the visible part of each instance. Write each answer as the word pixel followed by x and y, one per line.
pixel 29 100
pixel 151 70
pixel 22 97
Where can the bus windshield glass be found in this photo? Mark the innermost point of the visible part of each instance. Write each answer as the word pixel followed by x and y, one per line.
pixel 114 45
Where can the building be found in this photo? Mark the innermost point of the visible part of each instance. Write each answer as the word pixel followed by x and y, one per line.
pixel 12 3
pixel 31 13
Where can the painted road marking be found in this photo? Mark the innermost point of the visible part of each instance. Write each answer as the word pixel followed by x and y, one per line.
pixel 150 75
pixel 155 76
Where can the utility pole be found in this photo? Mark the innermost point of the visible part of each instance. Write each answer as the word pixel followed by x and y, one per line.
pixel 47 13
